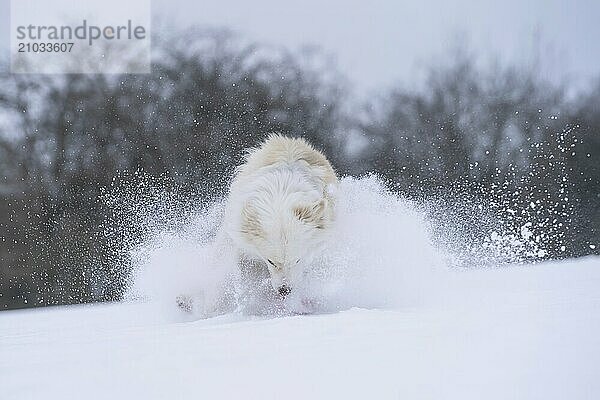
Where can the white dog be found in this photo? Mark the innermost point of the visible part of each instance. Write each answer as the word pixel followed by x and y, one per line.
pixel 280 209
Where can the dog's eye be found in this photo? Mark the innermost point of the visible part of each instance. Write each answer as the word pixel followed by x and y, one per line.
pixel 272 263
pixel 297 261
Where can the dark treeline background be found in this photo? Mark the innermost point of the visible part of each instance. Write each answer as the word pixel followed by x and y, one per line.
pixel 491 133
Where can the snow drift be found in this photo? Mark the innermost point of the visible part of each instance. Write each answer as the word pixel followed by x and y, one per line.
pixel 396 315
pixel 527 332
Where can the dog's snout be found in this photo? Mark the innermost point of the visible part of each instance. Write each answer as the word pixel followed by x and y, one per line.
pixel 284 290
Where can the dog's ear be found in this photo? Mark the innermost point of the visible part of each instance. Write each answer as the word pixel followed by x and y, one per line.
pixel 312 214
pixel 250 222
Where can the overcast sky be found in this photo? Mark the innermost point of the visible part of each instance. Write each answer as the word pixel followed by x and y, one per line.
pixel 378 43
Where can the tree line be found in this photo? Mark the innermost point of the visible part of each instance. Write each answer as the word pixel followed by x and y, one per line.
pixel 470 131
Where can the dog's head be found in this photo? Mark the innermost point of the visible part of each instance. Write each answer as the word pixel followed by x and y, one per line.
pixel 286 235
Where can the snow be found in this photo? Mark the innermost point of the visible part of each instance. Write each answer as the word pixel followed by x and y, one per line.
pixel 528 332
pixel 401 309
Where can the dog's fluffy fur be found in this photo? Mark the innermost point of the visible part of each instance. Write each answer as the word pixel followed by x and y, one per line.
pixel 280 208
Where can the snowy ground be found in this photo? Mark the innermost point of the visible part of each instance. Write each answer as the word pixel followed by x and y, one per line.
pixel 524 332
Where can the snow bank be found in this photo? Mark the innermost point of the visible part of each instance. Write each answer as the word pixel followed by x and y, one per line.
pixel 528 332
pixel 395 317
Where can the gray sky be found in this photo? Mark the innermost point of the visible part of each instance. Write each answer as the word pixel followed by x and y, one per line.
pixel 379 43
